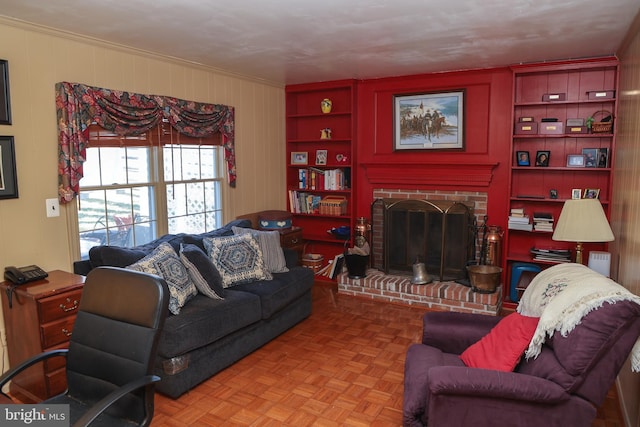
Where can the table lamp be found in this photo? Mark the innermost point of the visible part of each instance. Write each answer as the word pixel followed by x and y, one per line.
pixel 582 221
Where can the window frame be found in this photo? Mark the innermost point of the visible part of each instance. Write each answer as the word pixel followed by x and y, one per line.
pixel 156 140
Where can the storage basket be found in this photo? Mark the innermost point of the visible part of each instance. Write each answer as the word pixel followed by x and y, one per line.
pixel 600 126
pixel 333 205
pixel 313 261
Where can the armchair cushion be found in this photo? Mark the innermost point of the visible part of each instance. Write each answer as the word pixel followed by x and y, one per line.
pixel 502 348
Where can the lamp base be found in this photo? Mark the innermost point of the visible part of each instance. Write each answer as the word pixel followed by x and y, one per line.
pixel 578 253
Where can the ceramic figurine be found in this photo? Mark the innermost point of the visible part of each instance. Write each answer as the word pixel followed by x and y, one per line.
pixel 326 105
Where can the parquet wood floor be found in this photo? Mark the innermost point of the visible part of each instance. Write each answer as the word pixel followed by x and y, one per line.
pixel 343 366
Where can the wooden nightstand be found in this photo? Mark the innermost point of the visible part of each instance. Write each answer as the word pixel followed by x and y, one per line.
pixel 291 238
pixel 41 318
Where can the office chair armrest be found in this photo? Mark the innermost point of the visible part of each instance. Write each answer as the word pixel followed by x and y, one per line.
pixel 12 372
pixel 113 397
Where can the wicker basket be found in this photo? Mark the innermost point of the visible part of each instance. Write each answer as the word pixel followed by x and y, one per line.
pixel 599 126
pixel 333 205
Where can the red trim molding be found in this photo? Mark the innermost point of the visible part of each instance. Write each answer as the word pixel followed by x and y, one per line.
pixel 441 174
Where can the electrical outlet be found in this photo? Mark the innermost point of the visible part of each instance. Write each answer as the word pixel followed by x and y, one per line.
pixel 53 208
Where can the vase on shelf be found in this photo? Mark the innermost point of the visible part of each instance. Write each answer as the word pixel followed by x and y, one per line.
pixel 326 105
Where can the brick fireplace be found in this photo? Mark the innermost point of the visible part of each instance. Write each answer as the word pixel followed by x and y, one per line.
pixel 396 286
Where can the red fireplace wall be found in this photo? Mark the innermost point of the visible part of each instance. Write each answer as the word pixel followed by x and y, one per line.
pixel 482 165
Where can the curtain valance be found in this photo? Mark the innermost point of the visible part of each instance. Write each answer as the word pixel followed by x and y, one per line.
pixel 124 113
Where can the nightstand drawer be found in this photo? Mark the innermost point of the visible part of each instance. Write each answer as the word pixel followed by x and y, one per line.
pixel 291 239
pixel 57 332
pixel 59 306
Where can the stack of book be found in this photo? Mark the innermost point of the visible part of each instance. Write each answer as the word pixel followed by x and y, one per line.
pixel 543 221
pixel 518 220
pixel 551 255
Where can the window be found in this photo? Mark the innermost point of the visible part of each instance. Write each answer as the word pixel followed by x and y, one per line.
pixel 137 188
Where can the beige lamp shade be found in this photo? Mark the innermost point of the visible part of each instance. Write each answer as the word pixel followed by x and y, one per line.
pixel 583 220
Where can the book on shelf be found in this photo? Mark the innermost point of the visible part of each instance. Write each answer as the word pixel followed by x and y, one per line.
pixel 519 219
pixel 543 221
pixel 520 226
pixel 328 179
pixel 551 255
pixel 517 212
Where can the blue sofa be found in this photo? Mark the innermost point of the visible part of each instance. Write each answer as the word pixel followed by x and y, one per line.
pixel 208 334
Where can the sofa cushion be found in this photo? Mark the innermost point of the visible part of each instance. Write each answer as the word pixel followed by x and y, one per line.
pixel 276 294
pixel 269 242
pixel 237 258
pixel 202 271
pixel 226 230
pixel 205 320
pixel 502 348
pixel 164 262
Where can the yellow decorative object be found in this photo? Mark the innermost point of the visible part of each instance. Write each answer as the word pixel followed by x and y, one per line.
pixel 325 133
pixel 326 105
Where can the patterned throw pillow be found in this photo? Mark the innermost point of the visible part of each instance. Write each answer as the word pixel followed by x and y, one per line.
pixel 238 259
pixel 164 262
pixel 202 271
pixel 269 242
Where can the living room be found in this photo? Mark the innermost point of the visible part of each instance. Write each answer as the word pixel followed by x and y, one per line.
pixel 39 57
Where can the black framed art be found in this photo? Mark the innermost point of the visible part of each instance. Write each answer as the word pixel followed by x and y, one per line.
pixel 5 104
pixel 8 177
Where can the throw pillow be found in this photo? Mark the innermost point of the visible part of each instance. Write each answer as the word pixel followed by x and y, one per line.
pixel 164 262
pixel 502 348
pixel 269 242
pixel 238 259
pixel 202 271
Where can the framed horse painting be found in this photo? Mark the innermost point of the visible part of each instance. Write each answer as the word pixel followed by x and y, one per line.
pixel 429 121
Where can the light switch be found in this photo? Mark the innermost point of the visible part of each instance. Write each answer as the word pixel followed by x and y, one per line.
pixel 53 207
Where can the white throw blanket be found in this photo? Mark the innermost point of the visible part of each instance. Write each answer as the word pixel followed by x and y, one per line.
pixel 562 295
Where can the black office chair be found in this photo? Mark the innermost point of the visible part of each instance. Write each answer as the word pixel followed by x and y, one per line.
pixel 112 349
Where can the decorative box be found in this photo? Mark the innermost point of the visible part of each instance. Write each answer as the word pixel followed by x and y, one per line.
pixel 575 122
pixel 274 220
pixel 601 94
pixel 555 128
pixel 551 97
pixel 577 129
pixel 526 128
pixel 333 205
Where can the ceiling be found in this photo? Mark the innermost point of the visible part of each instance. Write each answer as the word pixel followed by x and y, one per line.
pixel 297 41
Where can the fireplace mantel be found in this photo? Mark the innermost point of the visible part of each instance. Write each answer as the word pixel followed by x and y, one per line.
pixel 458 174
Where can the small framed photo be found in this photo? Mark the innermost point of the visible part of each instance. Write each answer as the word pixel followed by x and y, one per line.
pixel 590 157
pixel 603 158
pixel 553 193
pixel 299 158
pixel 575 161
pixel 542 158
pixel 576 193
pixel 523 158
pixel 591 193
pixel 321 157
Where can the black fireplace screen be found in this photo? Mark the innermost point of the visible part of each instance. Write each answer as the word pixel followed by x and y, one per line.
pixel 440 234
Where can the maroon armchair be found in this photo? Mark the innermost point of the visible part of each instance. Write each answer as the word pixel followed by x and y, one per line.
pixel 563 386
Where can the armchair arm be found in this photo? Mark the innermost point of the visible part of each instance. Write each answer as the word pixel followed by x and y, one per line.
pixel 113 397
pixel 453 332
pixel 486 383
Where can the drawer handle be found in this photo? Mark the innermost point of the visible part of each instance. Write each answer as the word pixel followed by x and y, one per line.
pixel 294 241
pixel 73 307
pixel 66 332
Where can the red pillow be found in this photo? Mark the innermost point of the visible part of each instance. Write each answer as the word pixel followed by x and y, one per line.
pixel 502 348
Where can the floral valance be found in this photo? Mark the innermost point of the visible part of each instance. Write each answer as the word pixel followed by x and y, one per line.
pixel 124 113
